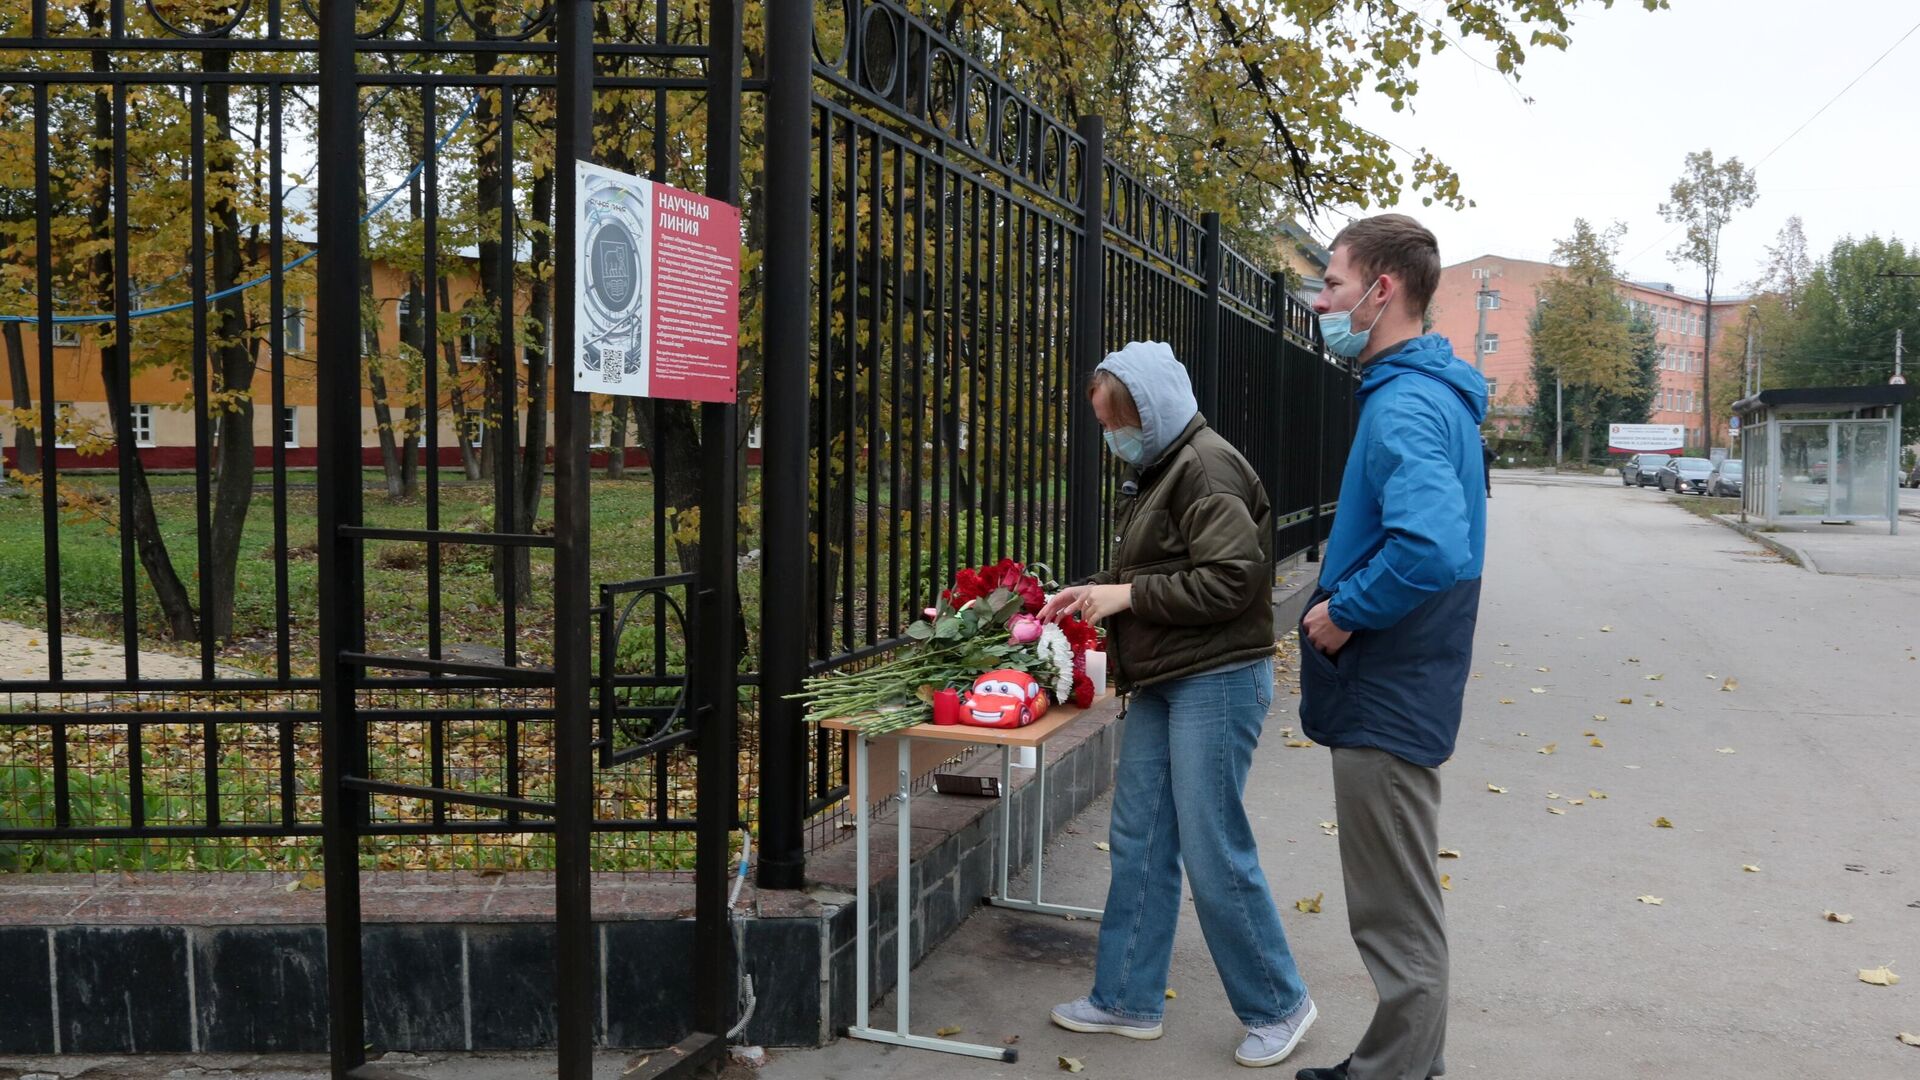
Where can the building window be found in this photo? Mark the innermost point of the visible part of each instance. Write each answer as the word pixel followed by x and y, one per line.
pixel 473 428
pixel 142 424
pixel 1482 273
pixel 66 335
pixel 63 420
pixel 1490 300
pixel 290 426
pixel 469 341
pixel 1490 343
pixel 597 435
pixel 1493 391
pixel 293 326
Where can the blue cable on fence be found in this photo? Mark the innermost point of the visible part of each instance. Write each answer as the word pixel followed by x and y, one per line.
pixel 420 166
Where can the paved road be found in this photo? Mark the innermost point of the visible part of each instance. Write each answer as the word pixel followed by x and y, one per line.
pixel 1560 973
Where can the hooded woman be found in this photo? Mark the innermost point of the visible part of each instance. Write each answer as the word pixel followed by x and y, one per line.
pixel 1188 607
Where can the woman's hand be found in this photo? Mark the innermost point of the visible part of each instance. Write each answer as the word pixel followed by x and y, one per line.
pixel 1063 603
pixel 1102 601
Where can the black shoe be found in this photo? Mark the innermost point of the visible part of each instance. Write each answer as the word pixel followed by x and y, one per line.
pixel 1331 1072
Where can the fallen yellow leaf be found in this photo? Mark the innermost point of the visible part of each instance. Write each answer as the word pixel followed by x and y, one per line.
pixel 1299 744
pixel 1506 701
pixel 1170 994
pixel 1449 853
pixel 1651 900
pixel 1309 905
pixel 1556 810
pixel 1750 868
pixel 1730 685
pixel 1496 788
pixel 946 1031
pixel 1072 1065
pixel 1600 716
pixel 1655 678
pixel 1597 744
pixel 1576 802
pixel 313 880
pixel 1446 882
pixel 1538 689
pixel 1542 669
pixel 1880 976
pixel 1553 794
pixel 1547 749
pixel 1103 845
pixel 1626 701
pixel 1725 750
pixel 1662 823
pixel 1908 1037
pixel 1606 629
pixel 1834 916
pixel 1595 794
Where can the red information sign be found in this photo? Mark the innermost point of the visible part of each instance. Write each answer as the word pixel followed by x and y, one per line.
pixel 658 309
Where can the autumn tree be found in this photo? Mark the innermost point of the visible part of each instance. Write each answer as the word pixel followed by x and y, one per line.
pixel 1704 199
pixel 1583 334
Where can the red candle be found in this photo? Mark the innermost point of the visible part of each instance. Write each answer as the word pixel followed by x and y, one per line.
pixel 946 706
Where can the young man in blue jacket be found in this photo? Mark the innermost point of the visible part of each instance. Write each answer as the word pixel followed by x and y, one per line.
pixel 1388 639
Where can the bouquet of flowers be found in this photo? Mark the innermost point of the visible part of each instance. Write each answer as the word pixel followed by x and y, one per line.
pixel 987 621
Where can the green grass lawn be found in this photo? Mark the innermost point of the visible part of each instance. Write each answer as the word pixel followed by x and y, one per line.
pixel 397 597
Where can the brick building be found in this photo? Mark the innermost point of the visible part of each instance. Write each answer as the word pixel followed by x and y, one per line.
pixel 1509 290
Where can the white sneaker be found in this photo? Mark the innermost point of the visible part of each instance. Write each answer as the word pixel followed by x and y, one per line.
pixel 1270 1044
pixel 1082 1015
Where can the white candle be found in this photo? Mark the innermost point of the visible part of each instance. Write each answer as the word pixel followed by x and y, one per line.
pixel 1097 671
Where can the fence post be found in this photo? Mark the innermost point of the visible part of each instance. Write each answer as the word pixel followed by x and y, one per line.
pixel 341 601
pixel 574 958
pixel 1319 451
pixel 1089 321
pixel 1207 374
pixel 784 484
pixel 715 994
pixel 1274 404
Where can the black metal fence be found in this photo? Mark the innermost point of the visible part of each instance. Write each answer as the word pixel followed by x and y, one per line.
pixel 946 263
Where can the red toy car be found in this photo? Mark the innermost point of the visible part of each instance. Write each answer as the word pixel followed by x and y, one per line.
pixel 1004 699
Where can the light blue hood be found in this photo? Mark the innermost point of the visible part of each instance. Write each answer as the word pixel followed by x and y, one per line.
pixel 1161 389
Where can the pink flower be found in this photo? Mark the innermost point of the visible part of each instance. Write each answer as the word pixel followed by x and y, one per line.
pixel 1025 629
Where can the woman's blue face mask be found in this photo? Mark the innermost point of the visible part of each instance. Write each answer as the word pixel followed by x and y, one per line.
pixel 1129 443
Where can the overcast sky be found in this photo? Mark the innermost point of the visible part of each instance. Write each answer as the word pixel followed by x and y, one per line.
pixel 1611 120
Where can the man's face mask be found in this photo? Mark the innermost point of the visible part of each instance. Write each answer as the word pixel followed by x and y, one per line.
pixel 1336 328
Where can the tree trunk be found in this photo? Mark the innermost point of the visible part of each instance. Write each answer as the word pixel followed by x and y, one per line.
pixel 376 376
pixel 617 439
pixel 26 448
pixel 176 606
pixel 233 359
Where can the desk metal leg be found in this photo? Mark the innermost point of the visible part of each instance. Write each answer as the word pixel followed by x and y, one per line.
pixel 1000 897
pixel 903 924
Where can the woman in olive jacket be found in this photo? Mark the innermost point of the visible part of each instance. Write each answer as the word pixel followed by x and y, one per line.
pixel 1188 608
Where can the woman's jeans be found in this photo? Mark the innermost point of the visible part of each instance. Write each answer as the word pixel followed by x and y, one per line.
pixel 1177 798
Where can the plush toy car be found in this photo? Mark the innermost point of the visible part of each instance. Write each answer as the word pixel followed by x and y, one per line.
pixel 1004 699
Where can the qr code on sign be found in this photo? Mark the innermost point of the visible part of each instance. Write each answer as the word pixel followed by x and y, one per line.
pixel 613 365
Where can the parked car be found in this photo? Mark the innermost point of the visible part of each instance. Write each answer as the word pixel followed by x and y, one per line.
pixel 1681 475
pixel 1640 469
pixel 1725 478
pixel 1913 478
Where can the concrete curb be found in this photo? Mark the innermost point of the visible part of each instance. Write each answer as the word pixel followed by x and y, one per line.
pixel 1781 548
pixel 1294 582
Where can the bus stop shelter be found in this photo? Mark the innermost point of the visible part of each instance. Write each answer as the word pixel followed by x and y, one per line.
pixel 1822 454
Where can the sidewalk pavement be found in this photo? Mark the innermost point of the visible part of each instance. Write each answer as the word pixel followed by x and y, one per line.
pixel 1861 550
pixel 1802 767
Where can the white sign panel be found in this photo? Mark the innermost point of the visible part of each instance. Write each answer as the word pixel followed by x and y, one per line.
pixel 1646 438
pixel 613 244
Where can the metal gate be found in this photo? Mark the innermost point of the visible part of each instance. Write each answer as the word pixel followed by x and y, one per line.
pixel 130 125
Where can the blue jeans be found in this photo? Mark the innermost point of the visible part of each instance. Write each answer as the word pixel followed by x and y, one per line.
pixel 1177 798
